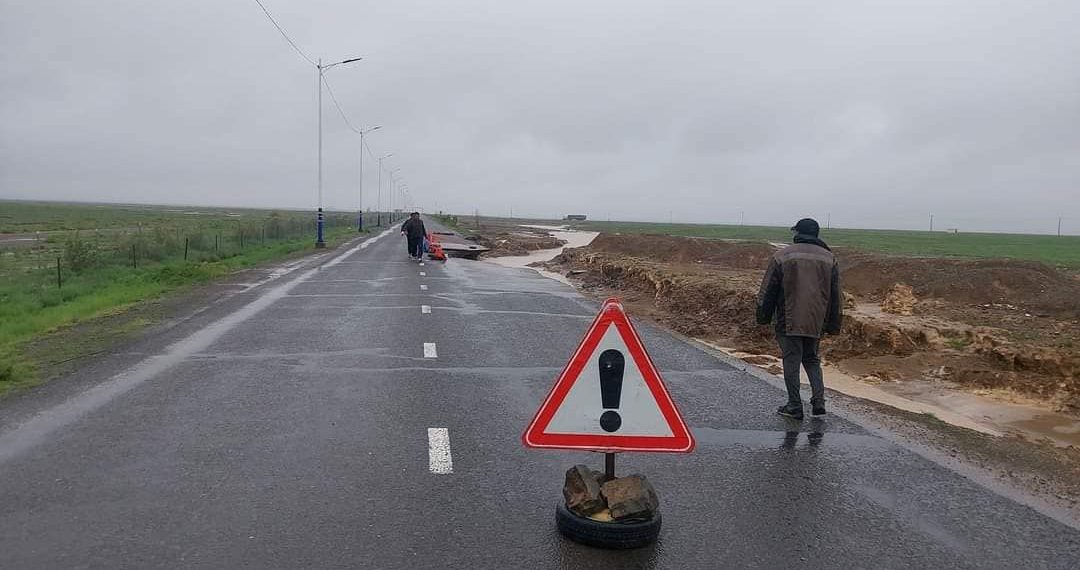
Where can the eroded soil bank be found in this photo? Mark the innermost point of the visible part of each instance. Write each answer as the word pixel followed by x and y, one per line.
pixel 990 325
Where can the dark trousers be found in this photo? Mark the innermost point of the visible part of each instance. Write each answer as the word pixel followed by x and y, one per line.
pixel 414 244
pixel 802 350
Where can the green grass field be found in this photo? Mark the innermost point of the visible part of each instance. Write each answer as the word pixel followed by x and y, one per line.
pixel 1063 252
pixel 93 260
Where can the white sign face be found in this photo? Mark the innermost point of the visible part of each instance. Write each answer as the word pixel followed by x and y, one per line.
pixel 581 409
pixel 610 396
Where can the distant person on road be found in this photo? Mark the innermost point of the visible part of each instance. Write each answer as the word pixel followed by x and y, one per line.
pixel 414 232
pixel 802 290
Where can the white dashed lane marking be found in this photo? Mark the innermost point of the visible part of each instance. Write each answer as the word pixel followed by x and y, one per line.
pixel 423 287
pixel 439 460
pixel 425 309
pixel 429 350
pixel 422 274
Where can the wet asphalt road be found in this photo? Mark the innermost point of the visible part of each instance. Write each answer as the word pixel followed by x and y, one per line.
pixel 288 428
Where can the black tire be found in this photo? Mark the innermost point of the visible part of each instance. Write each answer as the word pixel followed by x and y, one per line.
pixel 614 535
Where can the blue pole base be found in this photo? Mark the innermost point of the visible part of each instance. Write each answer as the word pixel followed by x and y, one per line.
pixel 320 242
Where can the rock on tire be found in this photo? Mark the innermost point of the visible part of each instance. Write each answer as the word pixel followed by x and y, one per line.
pixel 613 535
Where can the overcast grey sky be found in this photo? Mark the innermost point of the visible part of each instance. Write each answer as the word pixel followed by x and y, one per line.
pixel 876 112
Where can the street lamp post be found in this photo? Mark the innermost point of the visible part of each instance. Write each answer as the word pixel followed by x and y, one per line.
pixel 360 214
pixel 321 69
pixel 390 191
pixel 378 199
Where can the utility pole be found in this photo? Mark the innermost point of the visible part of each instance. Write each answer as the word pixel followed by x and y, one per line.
pixel 360 216
pixel 828 221
pixel 320 69
pixel 931 221
pixel 378 200
pixel 392 188
pixel 319 241
pixel 1059 226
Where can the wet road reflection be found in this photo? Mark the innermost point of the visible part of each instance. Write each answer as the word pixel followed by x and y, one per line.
pixel 764 439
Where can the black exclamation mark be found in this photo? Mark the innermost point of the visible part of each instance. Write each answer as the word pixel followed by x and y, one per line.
pixel 611 372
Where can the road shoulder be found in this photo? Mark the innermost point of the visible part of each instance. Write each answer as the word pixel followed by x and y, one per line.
pixel 78 357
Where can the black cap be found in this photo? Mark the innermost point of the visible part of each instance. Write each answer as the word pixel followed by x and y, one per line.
pixel 807 226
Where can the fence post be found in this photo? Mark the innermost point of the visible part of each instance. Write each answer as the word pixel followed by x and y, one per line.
pixel 134 259
pixel 241 239
pixel 217 243
pixel 59 279
pixel 186 241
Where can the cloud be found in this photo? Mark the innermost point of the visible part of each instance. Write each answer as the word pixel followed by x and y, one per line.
pixel 875 113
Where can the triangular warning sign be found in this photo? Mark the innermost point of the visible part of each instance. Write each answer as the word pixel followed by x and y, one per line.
pixel 610 396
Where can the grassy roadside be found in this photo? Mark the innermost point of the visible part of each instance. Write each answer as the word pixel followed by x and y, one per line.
pixel 30 310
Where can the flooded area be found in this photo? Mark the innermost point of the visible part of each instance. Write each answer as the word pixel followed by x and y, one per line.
pixel 573 238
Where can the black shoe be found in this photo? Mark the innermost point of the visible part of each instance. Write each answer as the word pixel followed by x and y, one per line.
pixel 791 411
pixel 818 411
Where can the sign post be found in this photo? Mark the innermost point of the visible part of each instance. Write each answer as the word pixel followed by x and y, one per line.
pixel 609 398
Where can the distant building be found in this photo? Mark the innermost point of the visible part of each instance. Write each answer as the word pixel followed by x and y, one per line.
pixel 575 217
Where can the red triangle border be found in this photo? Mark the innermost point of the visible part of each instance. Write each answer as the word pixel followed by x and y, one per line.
pixel 611 313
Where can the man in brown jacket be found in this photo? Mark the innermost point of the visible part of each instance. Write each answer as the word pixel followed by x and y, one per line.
pixel 802 289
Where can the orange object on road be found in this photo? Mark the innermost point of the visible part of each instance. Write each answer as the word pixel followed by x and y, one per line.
pixel 435 251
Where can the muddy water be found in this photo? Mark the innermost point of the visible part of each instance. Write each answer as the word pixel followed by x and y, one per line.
pixel 1002 410
pixel 996 414
pixel 572 238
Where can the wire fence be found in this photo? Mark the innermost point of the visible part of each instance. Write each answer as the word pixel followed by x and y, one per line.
pixel 54 258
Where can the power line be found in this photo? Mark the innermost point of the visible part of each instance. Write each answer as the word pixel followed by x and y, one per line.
pixel 345 117
pixel 329 90
pixel 284 35
pixel 338 105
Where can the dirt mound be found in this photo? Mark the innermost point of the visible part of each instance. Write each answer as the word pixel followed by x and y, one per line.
pixel 900 300
pixel 695 304
pixel 1031 285
pixel 991 323
pixel 672 249
pixel 516 242
pixel 1034 286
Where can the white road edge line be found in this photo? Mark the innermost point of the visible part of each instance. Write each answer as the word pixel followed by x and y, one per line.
pixel 439 460
pixel 423 287
pixel 425 309
pixel 429 350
